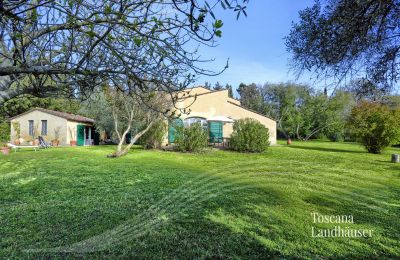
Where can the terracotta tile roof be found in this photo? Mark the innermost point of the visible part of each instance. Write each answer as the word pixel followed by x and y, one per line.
pixel 68 116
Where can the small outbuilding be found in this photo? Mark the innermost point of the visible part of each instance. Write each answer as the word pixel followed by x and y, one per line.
pixel 67 129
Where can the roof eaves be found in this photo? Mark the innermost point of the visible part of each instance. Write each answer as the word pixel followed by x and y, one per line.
pixel 201 94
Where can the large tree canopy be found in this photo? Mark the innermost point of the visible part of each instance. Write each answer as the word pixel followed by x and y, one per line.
pixel 47 46
pixel 346 38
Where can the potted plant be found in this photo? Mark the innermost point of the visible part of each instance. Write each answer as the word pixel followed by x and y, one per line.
pixel 56 140
pixel 5 149
pixel 26 139
pixel 72 141
pixel 17 128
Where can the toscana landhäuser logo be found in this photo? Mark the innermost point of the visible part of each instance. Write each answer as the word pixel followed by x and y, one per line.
pixel 342 226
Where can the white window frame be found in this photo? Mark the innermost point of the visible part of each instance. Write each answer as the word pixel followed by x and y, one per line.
pixel 193 120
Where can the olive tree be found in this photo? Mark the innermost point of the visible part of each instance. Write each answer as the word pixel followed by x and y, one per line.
pixel 134 115
pixel 347 38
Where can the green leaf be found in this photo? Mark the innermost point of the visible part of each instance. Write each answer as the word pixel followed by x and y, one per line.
pixel 137 41
pixel 91 34
pixel 218 33
pixel 218 24
pixel 108 9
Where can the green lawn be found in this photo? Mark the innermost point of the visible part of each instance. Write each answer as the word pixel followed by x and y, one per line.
pixel 74 202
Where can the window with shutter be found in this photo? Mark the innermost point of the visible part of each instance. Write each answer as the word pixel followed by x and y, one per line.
pixel 30 127
pixel 44 127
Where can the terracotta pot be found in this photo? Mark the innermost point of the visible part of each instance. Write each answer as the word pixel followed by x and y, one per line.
pixel 36 142
pixel 289 141
pixel 17 142
pixel 55 142
pixel 5 150
pixel 72 143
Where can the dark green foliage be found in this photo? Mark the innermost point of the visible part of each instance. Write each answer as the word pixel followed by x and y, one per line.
pixel 304 112
pixel 207 85
pixel 364 89
pixel 342 38
pixel 23 103
pixel 249 135
pixel 218 86
pixel 250 97
pixel 230 90
pixel 153 138
pixel 375 125
pixel 98 107
pixel 4 132
pixel 191 138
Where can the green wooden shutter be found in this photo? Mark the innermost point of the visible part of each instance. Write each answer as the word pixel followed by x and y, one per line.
pixel 80 135
pixel 172 130
pixel 215 128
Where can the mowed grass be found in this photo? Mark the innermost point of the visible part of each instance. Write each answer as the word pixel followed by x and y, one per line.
pixel 75 202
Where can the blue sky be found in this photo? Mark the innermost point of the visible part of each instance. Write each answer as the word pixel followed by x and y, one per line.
pixel 255 44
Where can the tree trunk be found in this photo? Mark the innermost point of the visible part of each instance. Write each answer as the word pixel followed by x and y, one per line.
pixel 395 158
pixel 120 152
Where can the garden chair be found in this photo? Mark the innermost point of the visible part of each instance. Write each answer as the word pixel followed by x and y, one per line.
pixel 43 143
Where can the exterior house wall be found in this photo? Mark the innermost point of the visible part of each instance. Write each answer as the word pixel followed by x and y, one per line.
pixel 72 130
pixel 219 103
pixel 53 122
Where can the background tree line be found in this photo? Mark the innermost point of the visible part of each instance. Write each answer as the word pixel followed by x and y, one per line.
pixel 304 112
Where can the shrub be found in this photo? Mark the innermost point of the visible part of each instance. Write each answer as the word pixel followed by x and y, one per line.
pixel 153 138
pixel 4 132
pixel 375 126
pixel 191 138
pixel 336 137
pixel 249 135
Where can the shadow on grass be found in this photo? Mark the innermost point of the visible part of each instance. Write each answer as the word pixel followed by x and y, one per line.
pixel 323 149
pixel 172 211
pixel 176 225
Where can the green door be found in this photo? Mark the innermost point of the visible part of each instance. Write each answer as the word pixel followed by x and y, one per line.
pixel 80 136
pixel 171 129
pixel 215 128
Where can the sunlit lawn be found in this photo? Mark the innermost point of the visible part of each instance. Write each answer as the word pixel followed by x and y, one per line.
pixel 75 202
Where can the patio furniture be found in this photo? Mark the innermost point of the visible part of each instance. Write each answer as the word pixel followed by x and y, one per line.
pixel 16 147
pixel 43 143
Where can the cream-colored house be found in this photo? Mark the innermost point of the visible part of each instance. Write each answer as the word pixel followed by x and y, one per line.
pixel 216 111
pixel 65 127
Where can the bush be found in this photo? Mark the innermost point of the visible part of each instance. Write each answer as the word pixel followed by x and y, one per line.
pixel 191 138
pixel 375 126
pixel 336 137
pixel 4 132
pixel 249 135
pixel 153 138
